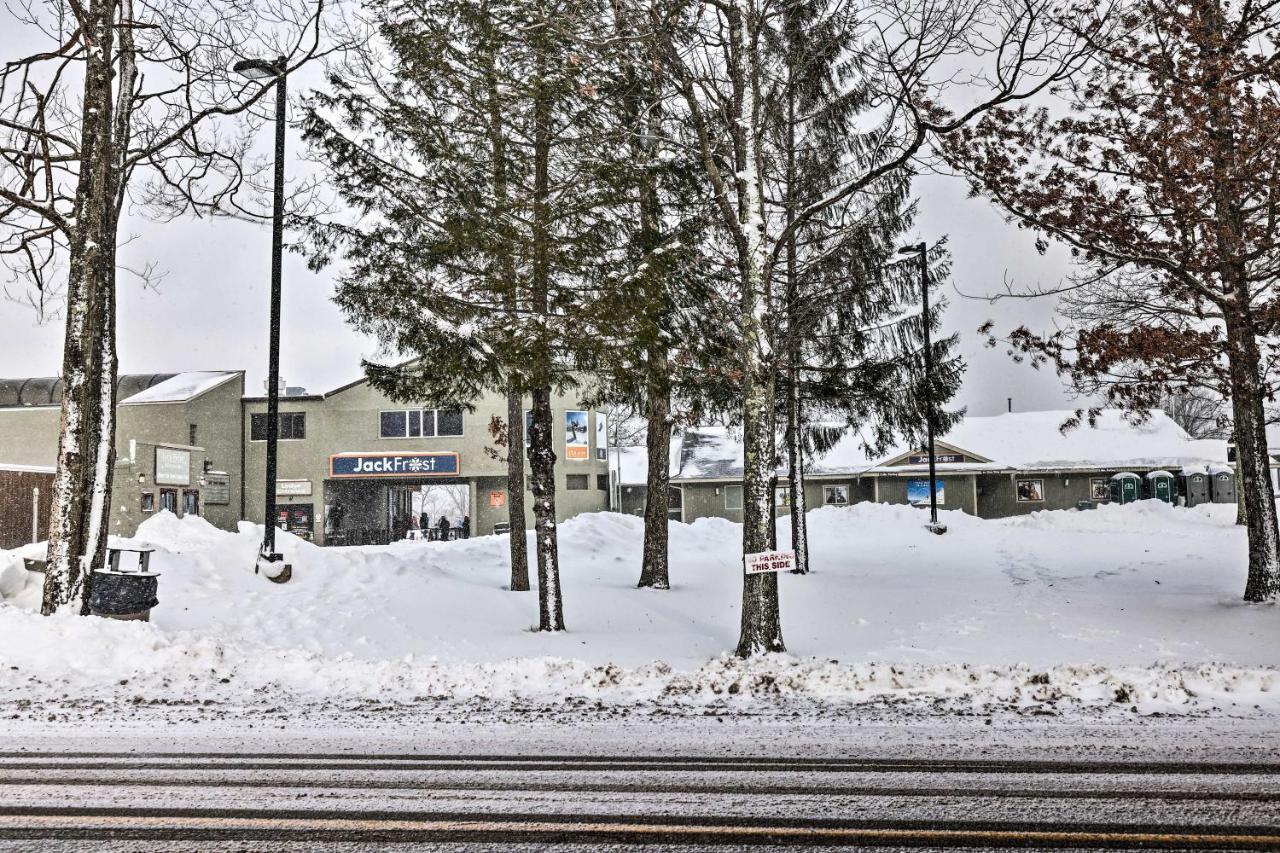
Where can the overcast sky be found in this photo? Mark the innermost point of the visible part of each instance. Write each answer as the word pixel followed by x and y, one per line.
pixel 209 310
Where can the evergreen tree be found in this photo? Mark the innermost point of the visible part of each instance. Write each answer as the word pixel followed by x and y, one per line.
pixel 466 141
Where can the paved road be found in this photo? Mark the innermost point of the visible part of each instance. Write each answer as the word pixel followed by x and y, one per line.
pixel 316 801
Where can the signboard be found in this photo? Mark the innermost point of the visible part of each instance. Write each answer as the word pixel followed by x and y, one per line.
pixel 352 465
pixel 217 488
pixel 497 500
pixel 918 492
pixel 293 488
pixel 939 459
pixel 173 466
pixel 768 561
pixel 577 444
pixel 602 436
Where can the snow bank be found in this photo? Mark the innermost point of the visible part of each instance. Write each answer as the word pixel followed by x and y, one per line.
pixel 1129 607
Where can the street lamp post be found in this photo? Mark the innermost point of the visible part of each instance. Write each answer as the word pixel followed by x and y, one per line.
pixel 921 249
pixel 269 561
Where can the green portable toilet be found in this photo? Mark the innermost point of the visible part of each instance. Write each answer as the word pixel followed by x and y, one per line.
pixel 1160 487
pixel 1125 487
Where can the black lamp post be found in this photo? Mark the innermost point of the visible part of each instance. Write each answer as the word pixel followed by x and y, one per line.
pixel 921 249
pixel 257 69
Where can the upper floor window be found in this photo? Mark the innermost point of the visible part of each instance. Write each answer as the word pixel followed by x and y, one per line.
pixel 419 423
pixel 293 426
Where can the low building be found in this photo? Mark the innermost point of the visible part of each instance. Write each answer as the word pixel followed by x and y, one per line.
pixel 991 467
pixel 353 466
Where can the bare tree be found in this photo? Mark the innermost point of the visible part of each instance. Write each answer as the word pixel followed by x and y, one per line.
pixel 716 54
pixel 123 104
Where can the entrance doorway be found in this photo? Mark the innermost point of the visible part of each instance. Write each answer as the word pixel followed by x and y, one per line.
pixel 434 510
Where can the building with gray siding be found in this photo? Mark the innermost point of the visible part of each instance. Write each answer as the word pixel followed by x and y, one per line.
pixel 991 467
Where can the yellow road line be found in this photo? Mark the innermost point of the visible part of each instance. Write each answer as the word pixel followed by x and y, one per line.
pixel 546 827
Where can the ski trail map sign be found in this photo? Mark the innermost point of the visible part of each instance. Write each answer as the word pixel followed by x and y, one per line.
pixel 769 561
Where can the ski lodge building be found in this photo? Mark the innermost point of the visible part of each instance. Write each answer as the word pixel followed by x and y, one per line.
pixel 991 467
pixel 353 466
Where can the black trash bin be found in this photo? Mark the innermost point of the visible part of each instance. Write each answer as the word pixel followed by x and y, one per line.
pixel 118 592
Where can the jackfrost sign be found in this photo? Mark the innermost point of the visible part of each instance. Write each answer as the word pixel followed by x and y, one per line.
pixel 393 465
pixel 769 561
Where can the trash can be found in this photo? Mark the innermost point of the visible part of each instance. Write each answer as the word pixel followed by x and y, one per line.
pixel 1125 487
pixel 123 595
pixel 1159 486
pixel 1193 482
pixel 1223 484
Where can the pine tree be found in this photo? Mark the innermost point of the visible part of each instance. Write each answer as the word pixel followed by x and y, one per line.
pixel 471 160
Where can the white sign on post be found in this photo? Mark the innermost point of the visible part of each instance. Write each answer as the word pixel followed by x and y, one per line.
pixel 769 561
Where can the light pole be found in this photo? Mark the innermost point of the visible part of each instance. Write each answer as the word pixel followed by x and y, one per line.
pixel 921 249
pixel 275 71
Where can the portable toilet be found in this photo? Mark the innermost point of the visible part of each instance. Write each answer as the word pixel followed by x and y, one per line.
pixel 1223 484
pixel 1194 483
pixel 1160 487
pixel 1125 487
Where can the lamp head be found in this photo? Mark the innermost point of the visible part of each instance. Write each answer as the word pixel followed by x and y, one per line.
pixel 257 69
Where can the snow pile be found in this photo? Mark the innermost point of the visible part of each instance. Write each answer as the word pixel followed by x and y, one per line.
pixel 1120 607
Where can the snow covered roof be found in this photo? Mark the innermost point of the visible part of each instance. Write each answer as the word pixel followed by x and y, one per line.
pixel 180 387
pixel 1007 442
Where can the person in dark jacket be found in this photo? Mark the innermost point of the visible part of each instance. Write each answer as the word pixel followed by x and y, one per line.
pixel 443 525
pixel 466 527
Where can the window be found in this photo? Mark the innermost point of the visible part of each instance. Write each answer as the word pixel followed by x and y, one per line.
pixel 419 423
pixel 835 495
pixel 1030 491
pixel 293 427
pixel 148 501
pixel 733 497
pixel 576 482
pixel 782 496
pixel 1099 489
pixel 191 434
pixel 602 482
pixel 675 503
pixel 169 500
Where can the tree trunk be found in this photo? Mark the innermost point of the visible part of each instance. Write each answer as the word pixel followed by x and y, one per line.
pixel 795 462
pixel 1252 461
pixel 77 538
pixel 653 562
pixel 515 489
pixel 761 622
pixel 542 470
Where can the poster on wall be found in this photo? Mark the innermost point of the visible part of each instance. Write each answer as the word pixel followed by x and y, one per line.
pixel 173 466
pixel 918 492
pixel 602 436
pixel 576 441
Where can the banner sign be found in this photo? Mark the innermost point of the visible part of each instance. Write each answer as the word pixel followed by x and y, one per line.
pixel 602 436
pixel 497 499
pixel 918 492
pixel 769 561
pixel 577 444
pixel 437 464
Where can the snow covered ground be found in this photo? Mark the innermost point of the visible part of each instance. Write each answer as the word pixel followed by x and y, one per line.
pixel 1121 608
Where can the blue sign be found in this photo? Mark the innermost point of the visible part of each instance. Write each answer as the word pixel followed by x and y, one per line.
pixel 393 465
pixel 918 492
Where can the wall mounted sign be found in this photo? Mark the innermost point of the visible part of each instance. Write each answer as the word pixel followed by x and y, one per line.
pixel 939 459
pixel 173 466
pixel 497 499
pixel 602 436
pixel 918 492
pixel 354 465
pixel 217 489
pixel 293 488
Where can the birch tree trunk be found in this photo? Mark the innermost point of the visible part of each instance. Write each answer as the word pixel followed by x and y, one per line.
pixel 761 623
pixel 77 538
pixel 653 562
pixel 542 469
pixel 515 489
